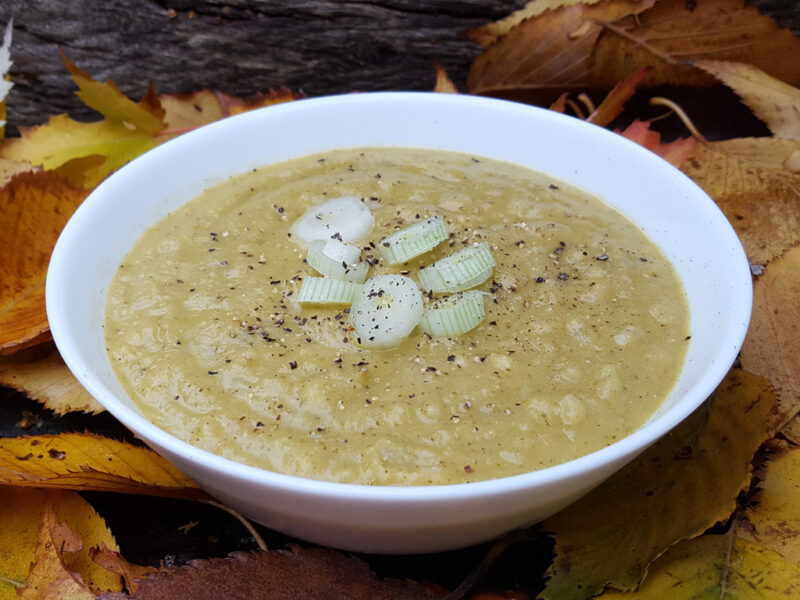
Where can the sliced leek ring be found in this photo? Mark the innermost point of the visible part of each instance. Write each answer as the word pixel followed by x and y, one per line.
pixel 460 271
pixel 346 218
pixel 386 310
pixel 323 290
pixel 454 315
pixel 337 260
pixel 412 241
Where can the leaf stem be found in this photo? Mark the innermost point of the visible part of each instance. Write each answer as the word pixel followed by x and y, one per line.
pixel 675 107
pixel 247 524
pixel 13 582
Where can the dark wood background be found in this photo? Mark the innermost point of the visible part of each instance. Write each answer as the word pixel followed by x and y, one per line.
pixel 242 47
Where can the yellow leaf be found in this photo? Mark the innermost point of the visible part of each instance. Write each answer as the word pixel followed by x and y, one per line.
pixel 774 102
pixel 772 345
pixel 444 85
pixel 675 490
pixel 758 558
pixel 749 180
pixel 50 382
pixel 717 567
pixel 49 577
pixel 146 117
pixel 63 139
pixel 775 520
pixel 84 461
pixel 21 513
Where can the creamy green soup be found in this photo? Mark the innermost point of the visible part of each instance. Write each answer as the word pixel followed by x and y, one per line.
pixel 585 332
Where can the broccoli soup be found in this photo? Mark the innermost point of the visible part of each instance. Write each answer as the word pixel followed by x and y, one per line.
pixel 396 317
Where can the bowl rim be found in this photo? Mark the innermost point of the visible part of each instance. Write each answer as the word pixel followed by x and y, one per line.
pixel 635 442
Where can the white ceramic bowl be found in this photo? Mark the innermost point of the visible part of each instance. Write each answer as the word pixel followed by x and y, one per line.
pixel 675 213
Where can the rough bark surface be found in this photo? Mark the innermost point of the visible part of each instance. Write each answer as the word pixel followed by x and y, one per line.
pixel 245 46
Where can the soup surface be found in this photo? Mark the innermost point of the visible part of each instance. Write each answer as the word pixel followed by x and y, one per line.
pixel 585 330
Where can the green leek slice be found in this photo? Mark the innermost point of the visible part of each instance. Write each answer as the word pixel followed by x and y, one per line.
pixel 337 260
pixel 460 271
pixel 323 290
pixel 412 241
pixel 454 315
pixel 386 310
pixel 346 218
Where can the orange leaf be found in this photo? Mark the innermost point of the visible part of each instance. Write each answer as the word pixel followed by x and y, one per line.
pixel 674 152
pixel 611 107
pixel 34 207
pixel 49 577
pixel 233 106
pixel 84 461
pixel 560 103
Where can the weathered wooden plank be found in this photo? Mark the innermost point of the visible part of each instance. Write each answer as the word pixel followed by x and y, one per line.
pixel 240 47
pixel 245 46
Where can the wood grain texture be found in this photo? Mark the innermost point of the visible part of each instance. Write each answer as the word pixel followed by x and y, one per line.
pixel 240 47
pixel 246 46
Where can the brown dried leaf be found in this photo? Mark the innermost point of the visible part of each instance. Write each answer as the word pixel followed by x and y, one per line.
pixel 675 31
pixel 675 490
pixel 772 346
pixel 444 85
pixel 774 102
pixel 34 207
pixel 594 47
pixel 488 34
pixel 552 51
pixel 114 562
pixel 750 181
pixel 307 573
pixel 50 382
pixel 49 577
pixel 675 152
pixel 84 461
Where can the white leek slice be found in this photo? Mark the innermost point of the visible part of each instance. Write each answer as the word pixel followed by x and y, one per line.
pixel 345 218
pixel 386 310
pixel 460 271
pixel 323 290
pixel 412 241
pixel 454 315
pixel 337 260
